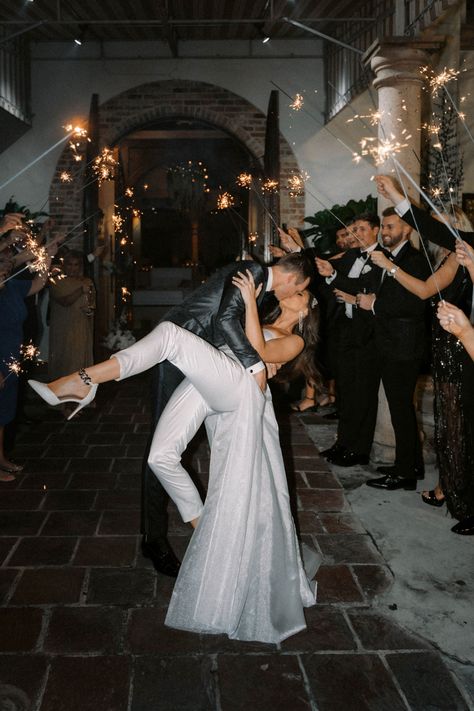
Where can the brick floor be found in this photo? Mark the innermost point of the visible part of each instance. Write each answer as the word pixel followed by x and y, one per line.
pixel 81 611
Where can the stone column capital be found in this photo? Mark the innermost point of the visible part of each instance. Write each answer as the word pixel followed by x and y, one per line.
pixel 397 60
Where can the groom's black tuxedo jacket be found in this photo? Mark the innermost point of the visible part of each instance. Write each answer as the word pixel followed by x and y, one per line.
pixel 434 230
pixel 215 311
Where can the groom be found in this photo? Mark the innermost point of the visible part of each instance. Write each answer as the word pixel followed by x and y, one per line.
pixel 214 312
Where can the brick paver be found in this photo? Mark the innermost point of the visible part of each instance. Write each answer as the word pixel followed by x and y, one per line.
pixel 81 611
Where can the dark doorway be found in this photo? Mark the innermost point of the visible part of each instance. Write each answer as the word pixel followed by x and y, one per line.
pixel 148 153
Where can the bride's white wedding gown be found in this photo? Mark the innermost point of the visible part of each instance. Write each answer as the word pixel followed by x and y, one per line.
pixel 242 574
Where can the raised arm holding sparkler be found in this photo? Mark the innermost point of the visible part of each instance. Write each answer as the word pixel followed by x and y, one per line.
pixel 430 228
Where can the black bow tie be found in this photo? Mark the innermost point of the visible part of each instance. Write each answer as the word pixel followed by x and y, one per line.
pixel 362 253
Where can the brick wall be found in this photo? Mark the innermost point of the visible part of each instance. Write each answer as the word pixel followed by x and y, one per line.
pixel 144 104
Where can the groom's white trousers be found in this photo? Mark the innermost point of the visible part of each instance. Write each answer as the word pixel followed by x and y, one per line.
pixel 212 384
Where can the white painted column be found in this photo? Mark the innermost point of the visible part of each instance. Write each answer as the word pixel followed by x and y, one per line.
pixel 396 63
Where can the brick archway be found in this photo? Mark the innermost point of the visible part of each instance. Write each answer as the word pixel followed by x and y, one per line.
pixel 146 103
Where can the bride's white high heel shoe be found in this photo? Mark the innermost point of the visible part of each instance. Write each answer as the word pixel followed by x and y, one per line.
pixel 48 396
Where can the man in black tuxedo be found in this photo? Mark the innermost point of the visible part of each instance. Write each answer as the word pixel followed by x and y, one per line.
pixel 429 227
pixel 214 312
pixel 355 355
pixel 399 330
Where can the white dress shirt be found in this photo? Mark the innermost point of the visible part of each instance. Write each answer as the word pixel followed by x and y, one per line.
pixel 355 272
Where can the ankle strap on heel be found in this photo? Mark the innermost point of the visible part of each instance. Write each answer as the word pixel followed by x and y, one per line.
pixel 85 377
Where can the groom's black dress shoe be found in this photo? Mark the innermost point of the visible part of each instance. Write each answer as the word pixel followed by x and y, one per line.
pixel 419 472
pixel 164 560
pixel 348 459
pixel 335 449
pixel 390 482
pixel 465 527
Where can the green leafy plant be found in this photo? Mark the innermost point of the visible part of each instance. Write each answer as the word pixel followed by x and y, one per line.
pixel 325 223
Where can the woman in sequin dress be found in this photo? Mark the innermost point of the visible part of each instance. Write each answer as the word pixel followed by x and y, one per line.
pixel 453 379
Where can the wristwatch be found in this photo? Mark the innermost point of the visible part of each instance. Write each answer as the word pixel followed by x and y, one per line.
pixel 391 272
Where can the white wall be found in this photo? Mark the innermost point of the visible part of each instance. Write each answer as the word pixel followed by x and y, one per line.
pixel 64 76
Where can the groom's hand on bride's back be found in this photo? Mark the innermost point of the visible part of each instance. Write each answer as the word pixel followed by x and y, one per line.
pixel 261 379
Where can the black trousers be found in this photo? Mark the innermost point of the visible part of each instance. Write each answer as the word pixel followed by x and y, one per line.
pixel 154 520
pixel 357 381
pixel 399 381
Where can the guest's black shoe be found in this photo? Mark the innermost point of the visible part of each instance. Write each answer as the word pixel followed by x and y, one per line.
pixel 164 560
pixel 331 416
pixel 392 470
pixel 432 500
pixel 348 459
pixel 335 449
pixel 465 527
pixel 391 482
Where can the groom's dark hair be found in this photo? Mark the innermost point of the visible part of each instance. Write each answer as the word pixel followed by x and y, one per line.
pixel 297 263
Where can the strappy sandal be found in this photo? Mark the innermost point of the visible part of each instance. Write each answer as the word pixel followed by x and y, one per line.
pixel 432 500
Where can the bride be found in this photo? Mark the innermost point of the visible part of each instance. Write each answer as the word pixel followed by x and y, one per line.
pixel 242 574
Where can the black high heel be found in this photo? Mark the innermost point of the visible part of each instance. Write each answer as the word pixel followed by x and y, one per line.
pixel 432 500
pixel 464 527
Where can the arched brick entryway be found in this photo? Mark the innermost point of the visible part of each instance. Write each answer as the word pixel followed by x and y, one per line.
pixel 143 104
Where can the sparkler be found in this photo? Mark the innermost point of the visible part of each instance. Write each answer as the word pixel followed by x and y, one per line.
pixel 118 222
pixel 296 183
pixel 270 186
pixel 27 352
pixel 297 103
pixel 224 201
pixel 77 132
pixel 129 192
pixel 438 81
pixel 104 166
pixel 65 177
pixel 244 180
pixel 381 150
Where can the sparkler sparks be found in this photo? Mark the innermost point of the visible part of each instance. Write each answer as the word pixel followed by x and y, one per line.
pixel 438 81
pixel 29 351
pixel 270 186
pixel 224 201
pixel 296 183
pixel 104 166
pixel 129 192
pixel 297 103
pixel 65 177
pixel 118 222
pixel 244 180
pixel 381 150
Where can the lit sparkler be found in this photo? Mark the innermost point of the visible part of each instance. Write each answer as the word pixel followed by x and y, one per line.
pixel 296 183
pixel 244 180
pixel 224 201
pixel 65 177
pixel 381 150
pixel 118 222
pixel 129 192
pixel 438 81
pixel 297 103
pixel 104 166
pixel 270 186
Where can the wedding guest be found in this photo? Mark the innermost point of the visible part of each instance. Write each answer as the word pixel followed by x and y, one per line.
pixel 72 305
pixel 13 312
pixel 356 359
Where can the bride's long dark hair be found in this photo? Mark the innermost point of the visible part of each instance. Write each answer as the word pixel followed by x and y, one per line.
pixel 305 363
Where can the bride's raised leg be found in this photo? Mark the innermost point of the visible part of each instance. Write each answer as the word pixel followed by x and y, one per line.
pixel 215 375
